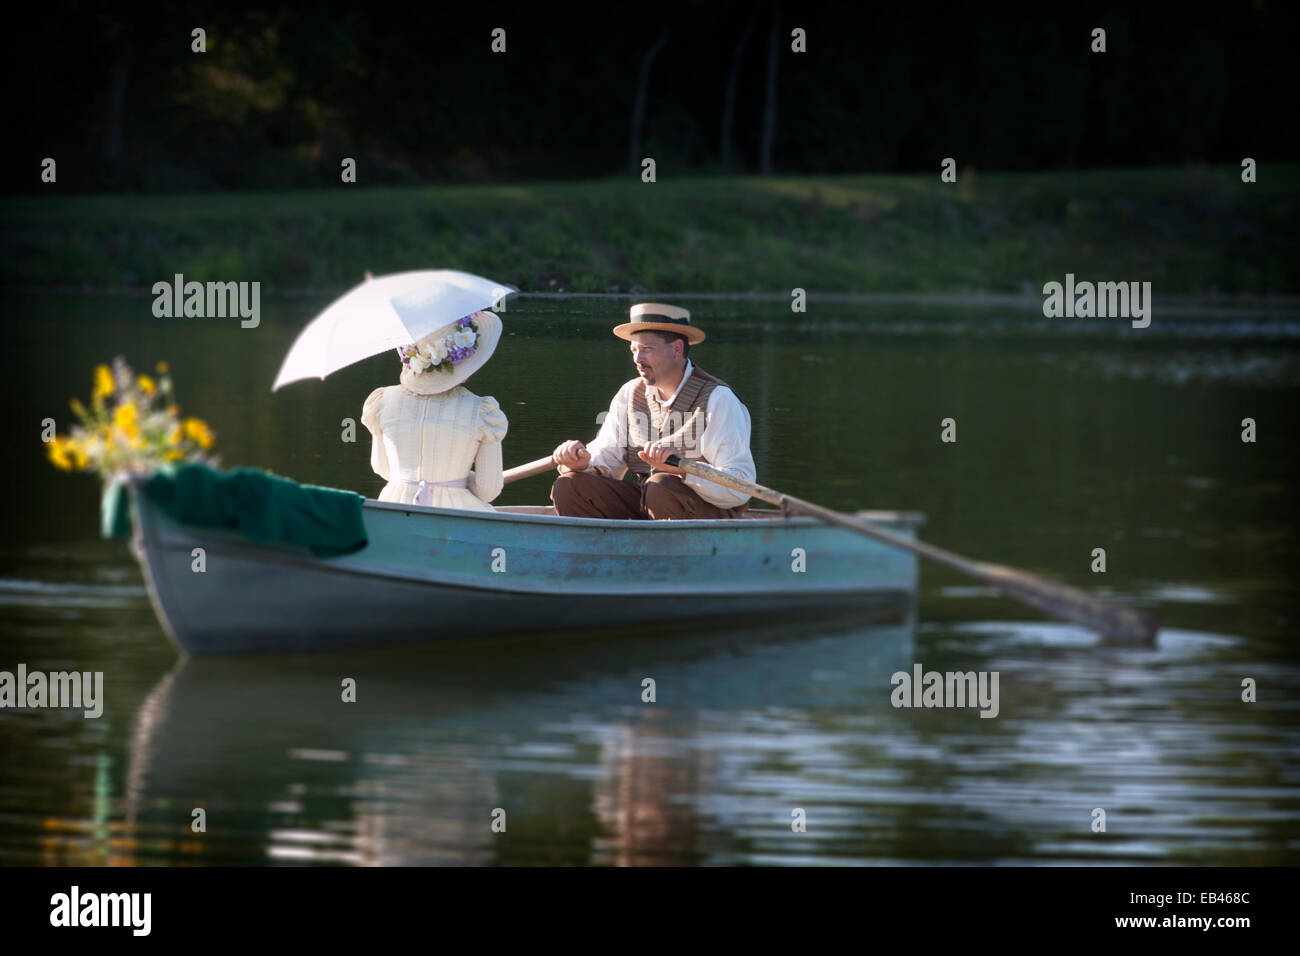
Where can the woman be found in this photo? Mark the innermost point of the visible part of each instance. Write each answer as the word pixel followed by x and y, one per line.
pixel 430 429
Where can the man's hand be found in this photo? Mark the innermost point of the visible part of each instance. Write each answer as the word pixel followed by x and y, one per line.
pixel 571 456
pixel 656 453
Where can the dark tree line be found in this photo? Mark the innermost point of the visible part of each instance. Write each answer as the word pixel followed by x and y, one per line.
pixel 416 95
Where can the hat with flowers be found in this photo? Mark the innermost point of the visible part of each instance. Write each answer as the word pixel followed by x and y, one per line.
pixel 448 356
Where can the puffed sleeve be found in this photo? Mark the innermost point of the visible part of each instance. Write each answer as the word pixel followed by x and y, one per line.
pixel 492 421
pixel 485 480
pixel 370 418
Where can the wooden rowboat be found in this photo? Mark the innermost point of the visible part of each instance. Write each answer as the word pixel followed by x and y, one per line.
pixel 440 574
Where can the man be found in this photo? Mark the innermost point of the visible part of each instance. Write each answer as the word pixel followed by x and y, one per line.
pixel 672 407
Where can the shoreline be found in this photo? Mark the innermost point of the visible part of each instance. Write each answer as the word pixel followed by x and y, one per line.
pixel 1189 230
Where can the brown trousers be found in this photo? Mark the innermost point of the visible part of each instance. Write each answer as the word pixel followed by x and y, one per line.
pixel 662 496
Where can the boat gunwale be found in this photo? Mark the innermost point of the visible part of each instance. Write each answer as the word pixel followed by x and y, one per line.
pixel 911 519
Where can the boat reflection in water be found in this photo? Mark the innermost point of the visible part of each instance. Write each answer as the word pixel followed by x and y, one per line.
pixel 552 738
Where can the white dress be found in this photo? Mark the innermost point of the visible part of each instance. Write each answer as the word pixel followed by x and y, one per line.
pixel 436 439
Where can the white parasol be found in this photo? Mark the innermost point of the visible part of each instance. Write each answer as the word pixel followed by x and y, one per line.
pixel 385 313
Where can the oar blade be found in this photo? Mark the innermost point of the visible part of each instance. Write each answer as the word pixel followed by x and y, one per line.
pixel 1116 622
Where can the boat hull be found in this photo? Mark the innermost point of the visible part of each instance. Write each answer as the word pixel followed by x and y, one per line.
pixel 432 574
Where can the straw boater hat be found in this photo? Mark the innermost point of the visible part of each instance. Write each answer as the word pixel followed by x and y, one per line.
pixel 431 382
pixel 656 317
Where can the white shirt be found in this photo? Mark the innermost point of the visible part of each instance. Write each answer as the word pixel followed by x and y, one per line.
pixel 724 443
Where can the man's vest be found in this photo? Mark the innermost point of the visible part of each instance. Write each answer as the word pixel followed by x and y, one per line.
pixel 681 425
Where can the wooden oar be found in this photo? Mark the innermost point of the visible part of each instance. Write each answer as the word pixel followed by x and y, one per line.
pixel 1055 599
pixel 528 470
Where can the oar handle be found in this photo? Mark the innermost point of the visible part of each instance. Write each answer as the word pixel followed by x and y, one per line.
pixel 528 470
pixel 709 473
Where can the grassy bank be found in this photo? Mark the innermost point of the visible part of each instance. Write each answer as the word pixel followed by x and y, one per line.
pixel 1187 230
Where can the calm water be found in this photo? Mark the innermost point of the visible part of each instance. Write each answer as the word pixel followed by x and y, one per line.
pixel 1071 436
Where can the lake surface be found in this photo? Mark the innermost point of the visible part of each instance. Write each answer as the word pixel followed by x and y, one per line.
pixel 1071 436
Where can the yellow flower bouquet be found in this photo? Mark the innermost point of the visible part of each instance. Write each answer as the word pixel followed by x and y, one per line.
pixel 132 426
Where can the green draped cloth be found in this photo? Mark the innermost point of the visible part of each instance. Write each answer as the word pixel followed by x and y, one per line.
pixel 265 508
